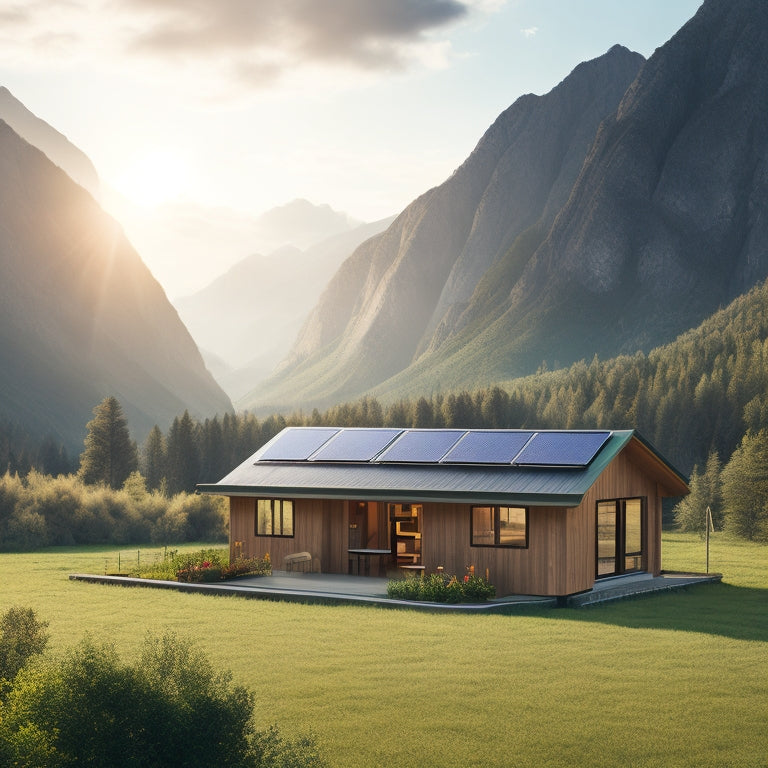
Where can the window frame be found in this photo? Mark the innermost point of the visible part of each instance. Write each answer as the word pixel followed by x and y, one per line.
pixel 496 514
pixel 280 517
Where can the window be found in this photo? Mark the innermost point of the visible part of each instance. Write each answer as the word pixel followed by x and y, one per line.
pixel 620 536
pixel 499 527
pixel 274 517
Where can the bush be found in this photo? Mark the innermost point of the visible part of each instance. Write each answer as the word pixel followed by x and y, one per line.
pixel 170 708
pixel 39 511
pixel 21 637
pixel 441 588
pixel 253 566
pixel 203 566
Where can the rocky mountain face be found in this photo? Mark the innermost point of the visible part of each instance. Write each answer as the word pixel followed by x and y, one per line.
pixel 607 216
pixel 47 139
pixel 405 287
pixel 81 317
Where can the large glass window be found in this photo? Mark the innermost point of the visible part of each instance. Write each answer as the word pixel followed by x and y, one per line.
pixel 274 517
pixel 499 527
pixel 620 535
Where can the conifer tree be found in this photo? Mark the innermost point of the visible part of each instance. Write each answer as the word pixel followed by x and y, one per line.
pixel 154 459
pixel 110 455
pixel 183 455
pixel 745 488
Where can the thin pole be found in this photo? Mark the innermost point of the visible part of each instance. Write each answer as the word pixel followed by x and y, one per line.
pixel 708 525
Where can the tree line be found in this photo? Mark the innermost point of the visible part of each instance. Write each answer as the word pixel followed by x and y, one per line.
pixel 705 393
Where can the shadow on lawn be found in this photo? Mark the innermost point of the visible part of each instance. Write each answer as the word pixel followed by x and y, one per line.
pixel 740 613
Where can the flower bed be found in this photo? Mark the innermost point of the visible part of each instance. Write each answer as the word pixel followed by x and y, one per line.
pixel 208 566
pixel 441 588
pixel 205 565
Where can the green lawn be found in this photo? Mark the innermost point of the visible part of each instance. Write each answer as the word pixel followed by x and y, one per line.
pixel 676 680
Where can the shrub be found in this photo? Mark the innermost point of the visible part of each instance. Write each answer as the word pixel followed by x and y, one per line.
pixel 203 566
pixel 441 588
pixel 253 566
pixel 169 708
pixel 21 637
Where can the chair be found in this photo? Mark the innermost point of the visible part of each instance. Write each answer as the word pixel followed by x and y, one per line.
pixel 298 561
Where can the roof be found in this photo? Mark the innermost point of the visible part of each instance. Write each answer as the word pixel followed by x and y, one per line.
pixel 521 467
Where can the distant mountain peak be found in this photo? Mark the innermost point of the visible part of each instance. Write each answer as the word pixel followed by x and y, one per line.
pixel 300 223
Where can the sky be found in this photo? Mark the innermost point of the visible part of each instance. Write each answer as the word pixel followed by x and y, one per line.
pixel 232 107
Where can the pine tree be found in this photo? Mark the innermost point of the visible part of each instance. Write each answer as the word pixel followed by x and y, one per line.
pixel 183 455
pixel 745 488
pixel 154 459
pixel 110 455
pixel 706 491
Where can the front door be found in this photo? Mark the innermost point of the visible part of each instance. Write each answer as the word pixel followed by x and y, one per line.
pixel 620 537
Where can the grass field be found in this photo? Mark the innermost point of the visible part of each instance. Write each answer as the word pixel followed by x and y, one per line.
pixel 673 680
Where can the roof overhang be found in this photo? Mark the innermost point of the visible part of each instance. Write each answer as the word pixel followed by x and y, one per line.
pixel 395 496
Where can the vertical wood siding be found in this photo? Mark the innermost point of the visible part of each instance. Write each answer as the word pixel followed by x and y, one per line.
pixel 319 528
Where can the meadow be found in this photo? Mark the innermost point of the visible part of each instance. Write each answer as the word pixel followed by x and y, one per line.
pixel 672 680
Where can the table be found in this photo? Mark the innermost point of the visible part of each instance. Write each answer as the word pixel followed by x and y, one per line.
pixel 366 554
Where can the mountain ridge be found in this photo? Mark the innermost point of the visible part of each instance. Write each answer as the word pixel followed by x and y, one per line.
pixel 81 316
pixel 59 149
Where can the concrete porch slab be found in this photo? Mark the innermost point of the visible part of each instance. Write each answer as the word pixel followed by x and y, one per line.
pixel 368 590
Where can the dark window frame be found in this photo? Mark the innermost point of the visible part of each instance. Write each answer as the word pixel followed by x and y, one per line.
pixel 280 517
pixel 496 510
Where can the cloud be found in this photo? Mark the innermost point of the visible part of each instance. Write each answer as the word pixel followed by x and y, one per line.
pixel 529 31
pixel 262 39
pixel 226 45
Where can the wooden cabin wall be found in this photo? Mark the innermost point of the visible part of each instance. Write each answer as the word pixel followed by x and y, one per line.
pixel 319 528
pixel 537 570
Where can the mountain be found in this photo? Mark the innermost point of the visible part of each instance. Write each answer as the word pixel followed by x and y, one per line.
pixel 251 314
pixel 189 245
pixel 662 221
pixel 81 317
pixel 300 224
pixel 392 295
pixel 47 139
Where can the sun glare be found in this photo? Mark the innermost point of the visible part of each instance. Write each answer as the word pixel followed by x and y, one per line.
pixel 154 177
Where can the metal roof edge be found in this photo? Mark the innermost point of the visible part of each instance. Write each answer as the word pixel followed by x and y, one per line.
pixel 374 494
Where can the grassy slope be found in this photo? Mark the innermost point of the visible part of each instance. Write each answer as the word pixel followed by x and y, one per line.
pixel 673 680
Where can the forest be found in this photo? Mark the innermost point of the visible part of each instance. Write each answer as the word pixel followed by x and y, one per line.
pixel 701 400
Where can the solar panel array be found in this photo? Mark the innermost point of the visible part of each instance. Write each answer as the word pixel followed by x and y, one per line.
pixel 510 447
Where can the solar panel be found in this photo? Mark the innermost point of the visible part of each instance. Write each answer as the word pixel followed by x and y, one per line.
pixel 485 447
pixel 421 446
pixel 562 449
pixel 296 443
pixel 356 445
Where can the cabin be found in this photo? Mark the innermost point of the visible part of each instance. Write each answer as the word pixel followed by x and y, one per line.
pixel 543 512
